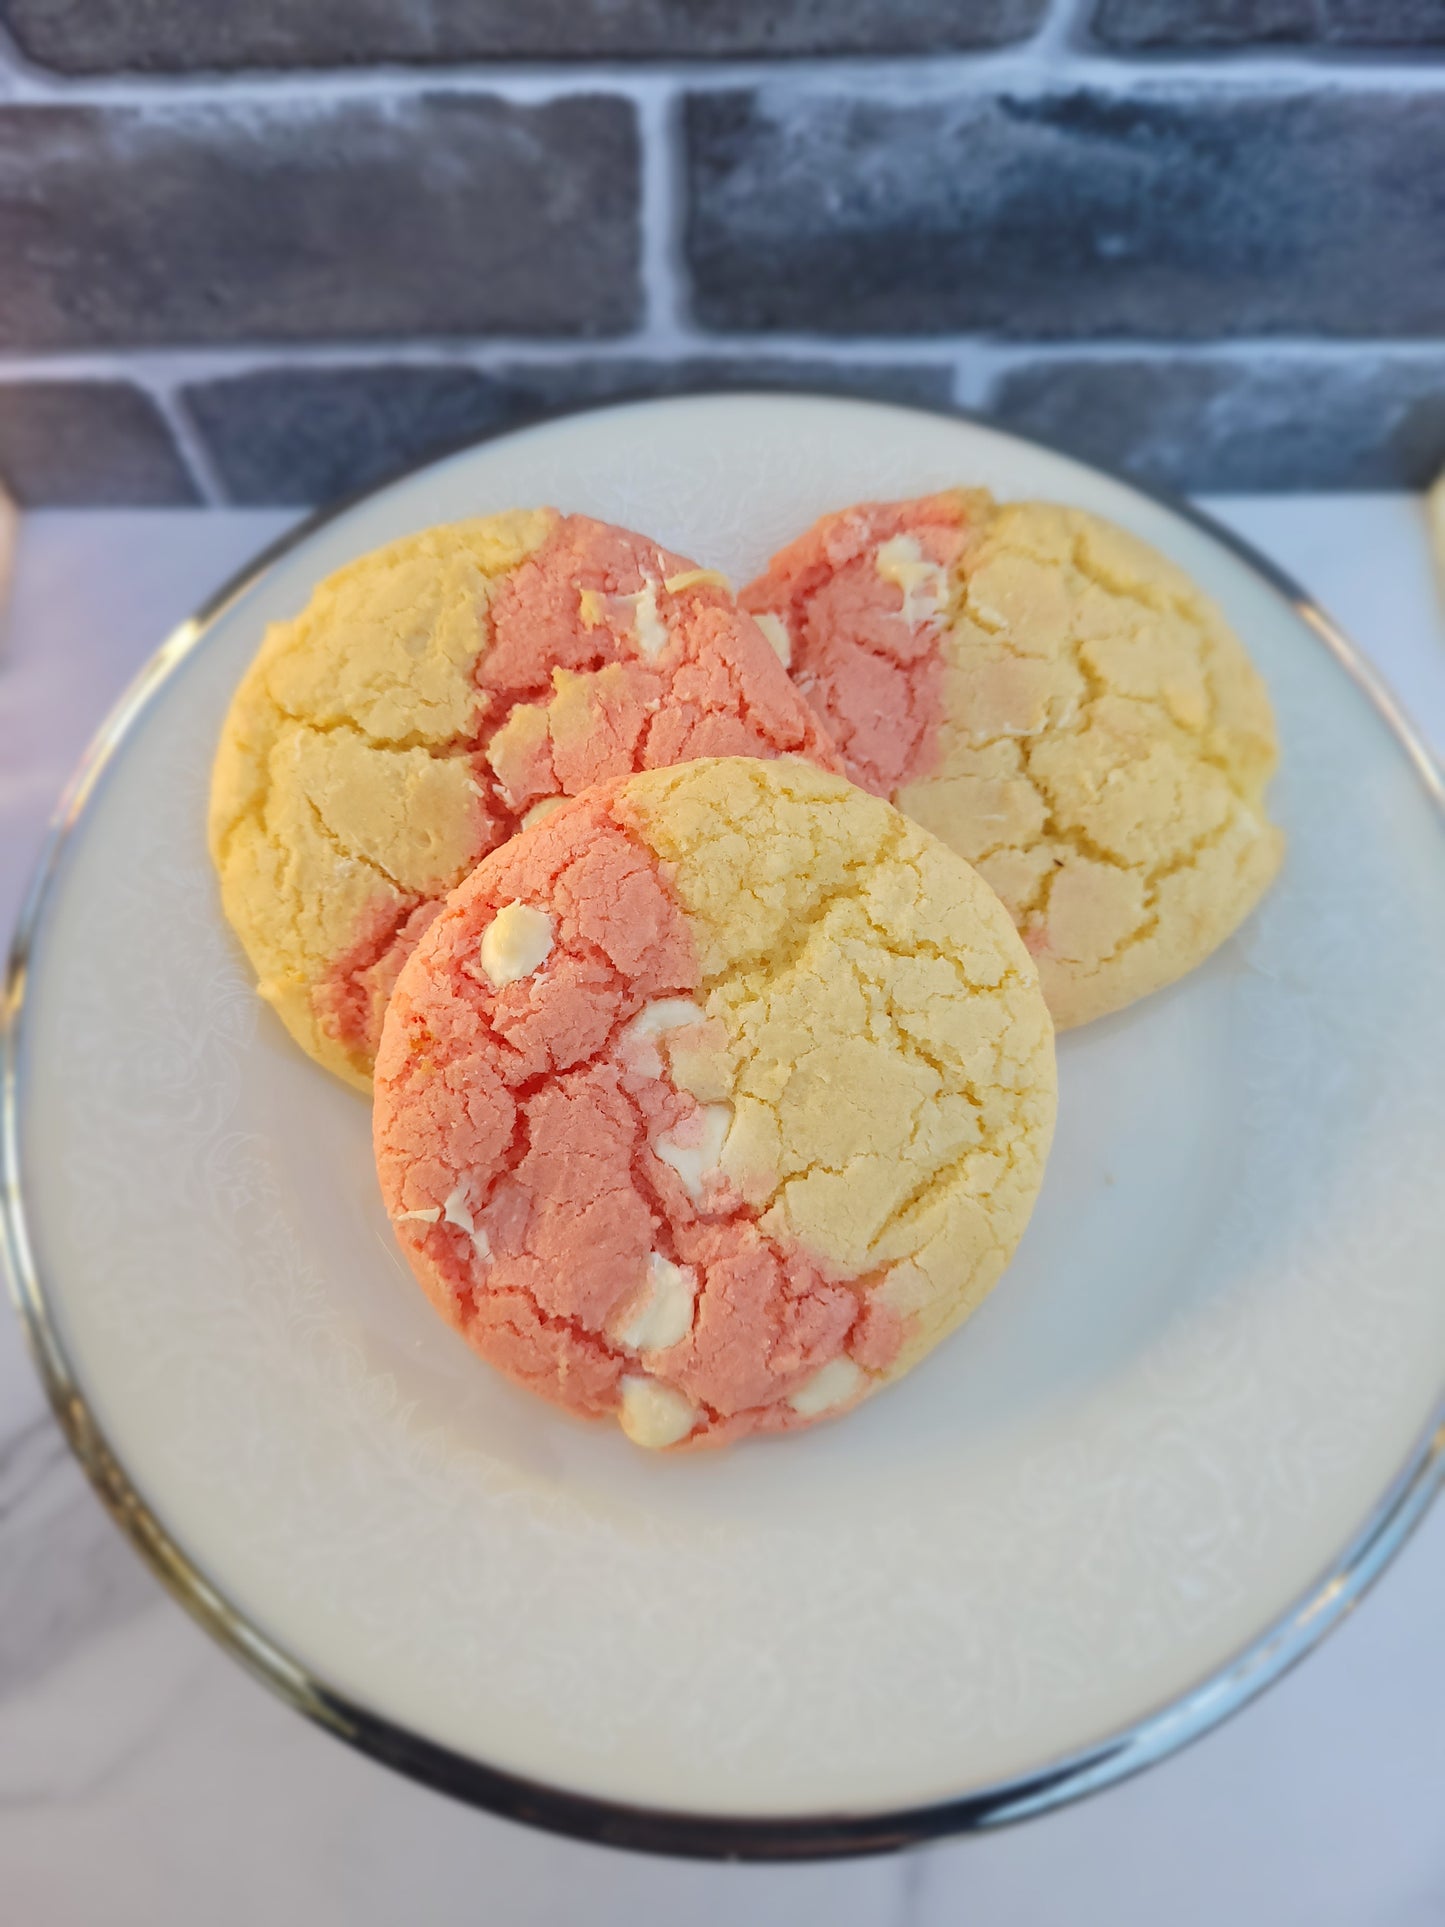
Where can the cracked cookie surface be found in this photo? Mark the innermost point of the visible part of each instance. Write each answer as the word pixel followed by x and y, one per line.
pixel 433 697
pixel 715 1101
pixel 1058 702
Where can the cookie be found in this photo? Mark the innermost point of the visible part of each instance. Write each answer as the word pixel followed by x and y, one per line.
pixel 1060 704
pixel 432 698
pixel 715 1101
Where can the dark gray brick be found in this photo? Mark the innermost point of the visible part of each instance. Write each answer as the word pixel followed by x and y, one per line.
pixel 173 36
pixel 1383 23
pixel 1134 24
pixel 1173 212
pixel 441 214
pixel 80 444
pixel 1272 422
pixel 301 435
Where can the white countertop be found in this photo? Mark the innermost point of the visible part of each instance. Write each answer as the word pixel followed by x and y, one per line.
pixel 145 1780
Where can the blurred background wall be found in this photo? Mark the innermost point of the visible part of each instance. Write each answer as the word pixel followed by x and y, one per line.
pixel 264 251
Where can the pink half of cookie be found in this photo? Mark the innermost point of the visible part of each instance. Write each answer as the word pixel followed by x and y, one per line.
pixel 864 639
pixel 601 654
pixel 542 1167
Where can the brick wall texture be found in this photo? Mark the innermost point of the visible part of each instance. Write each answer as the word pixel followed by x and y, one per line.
pixel 270 253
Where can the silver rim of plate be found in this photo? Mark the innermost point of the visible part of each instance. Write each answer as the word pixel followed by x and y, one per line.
pixel 648 1829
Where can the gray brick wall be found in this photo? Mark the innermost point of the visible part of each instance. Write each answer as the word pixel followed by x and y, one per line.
pixel 269 253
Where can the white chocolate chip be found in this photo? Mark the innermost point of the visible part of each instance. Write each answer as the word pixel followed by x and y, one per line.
pixel 455 1211
pixel 664 1013
pixel 429 1216
pixel 654 1415
pixel 924 584
pixel 698 1160
pixel 834 1384
pixel 776 632
pixel 663 1315
pixel 648 627
pixel 694 579
pixel 539 810
pixel 515 943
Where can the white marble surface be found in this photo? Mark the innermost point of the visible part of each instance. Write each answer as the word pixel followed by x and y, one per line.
pixel 144 1779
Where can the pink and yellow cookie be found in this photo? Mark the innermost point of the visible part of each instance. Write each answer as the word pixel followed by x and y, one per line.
pixel 431 699
pixel 1060 704
pixel 715 1101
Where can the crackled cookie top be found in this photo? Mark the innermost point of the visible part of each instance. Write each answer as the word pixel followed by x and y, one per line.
pixel 715 1100
pixel 1060 704
pixel 432 698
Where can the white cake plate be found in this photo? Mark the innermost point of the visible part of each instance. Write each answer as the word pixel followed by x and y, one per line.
pixel 1193 1422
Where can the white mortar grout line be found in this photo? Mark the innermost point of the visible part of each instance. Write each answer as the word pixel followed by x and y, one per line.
pixel 1062 34
pixel 1052 61
pixel 191 443
pixel 660 216
pixel 972 382
pixel 1251 351
pixel 970 354
pixel 187 364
